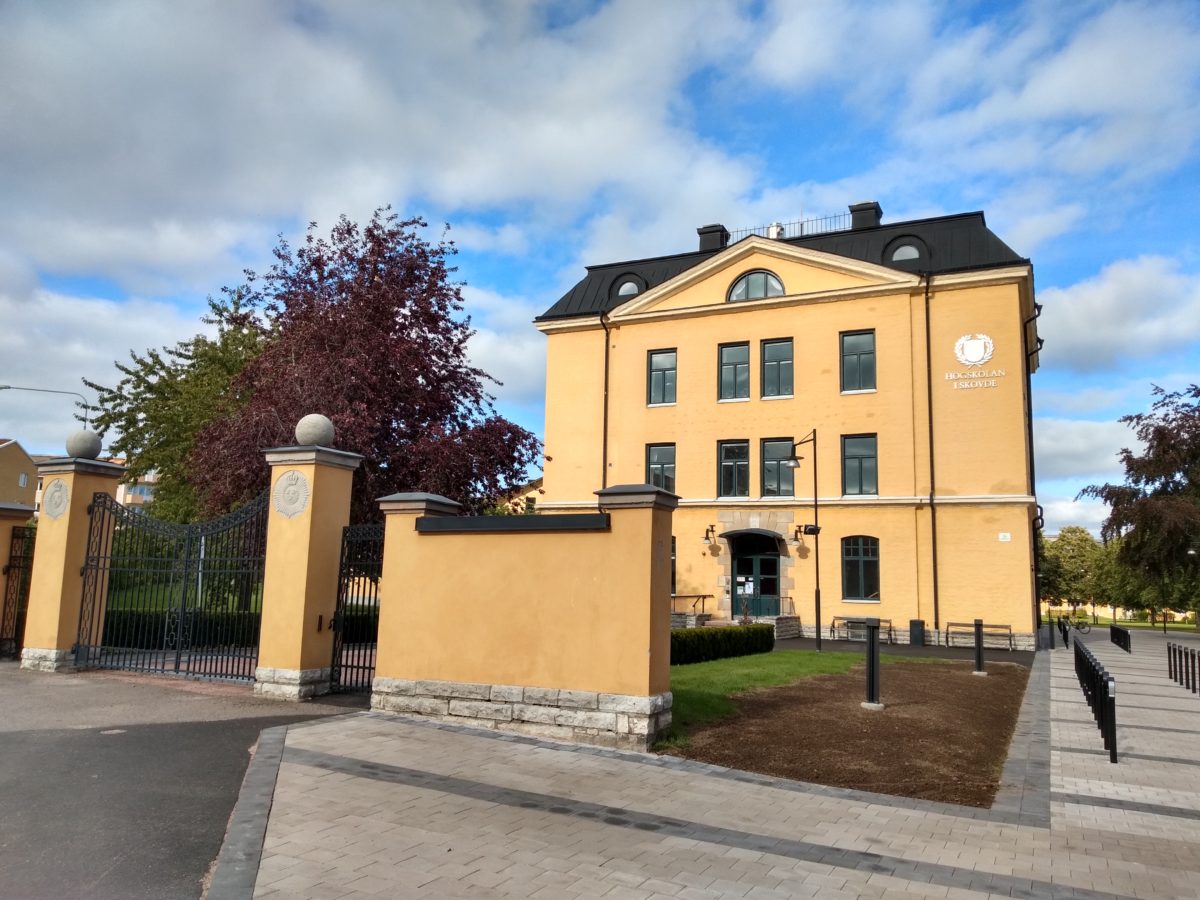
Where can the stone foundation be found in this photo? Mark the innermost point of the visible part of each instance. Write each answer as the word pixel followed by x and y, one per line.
pixel 583 717
pixel 38 660
pixel 291 684
pixel 688 620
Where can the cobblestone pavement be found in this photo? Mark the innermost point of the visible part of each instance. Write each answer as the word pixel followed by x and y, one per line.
pixel 378 806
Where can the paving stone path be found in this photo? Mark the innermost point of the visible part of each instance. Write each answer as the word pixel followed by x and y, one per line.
pixel 378 806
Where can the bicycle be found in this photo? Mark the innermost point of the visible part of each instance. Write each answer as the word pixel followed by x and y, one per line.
pixel 1081 624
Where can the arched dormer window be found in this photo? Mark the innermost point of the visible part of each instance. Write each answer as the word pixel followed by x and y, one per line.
pixel 756 285
pixel 906 252
pixel 860 568
pixel 627 286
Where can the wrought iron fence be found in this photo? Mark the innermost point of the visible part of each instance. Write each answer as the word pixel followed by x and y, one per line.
pixel 173 599
pixel 16 573
pixel 356 619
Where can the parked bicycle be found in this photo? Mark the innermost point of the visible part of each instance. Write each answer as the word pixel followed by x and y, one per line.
pixel 1080 624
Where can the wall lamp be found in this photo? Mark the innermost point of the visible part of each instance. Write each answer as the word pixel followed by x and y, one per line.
pixel 710 535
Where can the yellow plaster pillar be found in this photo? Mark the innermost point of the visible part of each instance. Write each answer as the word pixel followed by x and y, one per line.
pixel 56 585
pixel 310 505
pixel 12 515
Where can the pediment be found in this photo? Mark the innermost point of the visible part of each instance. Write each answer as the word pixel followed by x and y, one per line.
pixel 805 273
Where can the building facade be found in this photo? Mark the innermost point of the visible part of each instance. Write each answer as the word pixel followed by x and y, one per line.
pixel 890 361
pixel 18 475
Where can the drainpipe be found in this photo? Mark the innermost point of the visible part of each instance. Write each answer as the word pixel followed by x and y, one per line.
pixel 932 468
pixel 604 430
pixel 1037 522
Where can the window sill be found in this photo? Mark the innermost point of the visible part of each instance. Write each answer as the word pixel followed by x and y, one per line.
pixel 864 391
pixel 848 600
pixel 658 405
pixel 780 397
pixel 856 496
pixel 742 498
pixel 733 400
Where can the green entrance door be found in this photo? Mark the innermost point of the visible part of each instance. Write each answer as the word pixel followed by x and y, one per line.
pixel 755 576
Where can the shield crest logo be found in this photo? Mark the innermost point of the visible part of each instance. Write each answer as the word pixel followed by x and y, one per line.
pixel 974 349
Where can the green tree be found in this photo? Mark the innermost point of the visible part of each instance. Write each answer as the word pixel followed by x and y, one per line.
pixel 165 397
pixel 1156 511
pixel 1072 557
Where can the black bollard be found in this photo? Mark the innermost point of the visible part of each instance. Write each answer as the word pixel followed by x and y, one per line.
pixel 1195 687
pixel 872 701
pixel 1171 661
pixel 979 647
pixel 1110 719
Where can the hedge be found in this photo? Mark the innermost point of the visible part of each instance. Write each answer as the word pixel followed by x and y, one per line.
pixel 148 629
pixel 693 645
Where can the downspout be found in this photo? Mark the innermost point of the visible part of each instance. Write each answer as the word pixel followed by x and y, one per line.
pixel 932 467
pixel 1037 521
pixel 604 428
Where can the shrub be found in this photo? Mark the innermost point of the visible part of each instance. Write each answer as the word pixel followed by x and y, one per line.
pixel 693 645
pixel 159 630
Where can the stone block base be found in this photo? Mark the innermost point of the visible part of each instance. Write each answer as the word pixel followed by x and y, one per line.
pixel 688 620
pixel 291 684
pixel 583 717
pixel 36 659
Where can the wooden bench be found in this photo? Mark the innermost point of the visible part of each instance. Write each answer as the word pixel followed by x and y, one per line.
pixel 855 628
pixel 1001 631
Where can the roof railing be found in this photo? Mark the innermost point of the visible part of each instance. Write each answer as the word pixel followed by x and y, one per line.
pixel 801 228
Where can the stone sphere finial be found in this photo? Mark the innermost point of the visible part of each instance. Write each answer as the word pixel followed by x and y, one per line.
pixel 83 444
pixel 314 430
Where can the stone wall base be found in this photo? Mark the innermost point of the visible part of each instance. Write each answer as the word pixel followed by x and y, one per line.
pixel 36 659
pixel 582 717
pixel 689 620
pixel 291 684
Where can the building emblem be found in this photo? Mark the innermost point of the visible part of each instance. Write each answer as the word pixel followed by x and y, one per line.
pixel 974 349
pixel 56 498
pixel 290 494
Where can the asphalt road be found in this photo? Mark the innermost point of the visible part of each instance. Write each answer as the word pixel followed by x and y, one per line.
pixel 121 786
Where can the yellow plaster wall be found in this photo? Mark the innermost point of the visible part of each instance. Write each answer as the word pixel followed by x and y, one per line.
pixel 13 462
pixel 56 585
pixel 979 435
pixel 797 278
pixel 585 611
pixel 574 411
pixel 301 574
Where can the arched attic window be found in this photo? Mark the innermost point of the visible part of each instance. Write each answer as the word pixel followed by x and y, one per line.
pixel 756 285
pixel 906 251
pixel 627 286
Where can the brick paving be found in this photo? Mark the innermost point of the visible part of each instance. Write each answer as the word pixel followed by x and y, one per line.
pixel 372 805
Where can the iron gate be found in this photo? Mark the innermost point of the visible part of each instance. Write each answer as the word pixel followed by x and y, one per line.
pixel 356 619
pixel 16 591
pixel 173 599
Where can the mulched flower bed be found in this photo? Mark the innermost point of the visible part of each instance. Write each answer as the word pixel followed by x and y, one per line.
pixel 943 736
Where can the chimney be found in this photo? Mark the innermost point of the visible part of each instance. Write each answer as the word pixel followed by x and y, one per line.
pixel 713 237
pixel 865 215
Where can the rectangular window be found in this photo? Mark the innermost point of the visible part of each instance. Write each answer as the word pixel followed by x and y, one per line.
pixel 858 361
pixel 777 368
pixel 860 464
pixel 776 476
pixel 733 469
pixel 734 381
pixel 660 380
pixel 660 466
pixel 860 568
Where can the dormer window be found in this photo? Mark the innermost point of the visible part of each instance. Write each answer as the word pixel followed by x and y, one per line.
pixel 626 287
pixel 906 252
pixel 755 286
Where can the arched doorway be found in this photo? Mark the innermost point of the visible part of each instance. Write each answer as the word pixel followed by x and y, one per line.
pixel 754 582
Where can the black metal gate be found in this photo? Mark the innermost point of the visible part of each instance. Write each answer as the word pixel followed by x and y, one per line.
pixel 356 619
pixel 173 599
pixel 16 591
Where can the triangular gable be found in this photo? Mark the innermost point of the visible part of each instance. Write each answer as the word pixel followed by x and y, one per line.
pixel 803 271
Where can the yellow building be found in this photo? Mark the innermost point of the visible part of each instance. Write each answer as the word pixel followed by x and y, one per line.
pixel 18 475
pixel 900 353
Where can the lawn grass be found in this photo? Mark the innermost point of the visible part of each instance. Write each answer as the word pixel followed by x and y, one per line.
pixel 702 692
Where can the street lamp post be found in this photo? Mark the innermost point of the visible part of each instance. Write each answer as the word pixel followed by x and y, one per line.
pixel 86 409
pixel 793 462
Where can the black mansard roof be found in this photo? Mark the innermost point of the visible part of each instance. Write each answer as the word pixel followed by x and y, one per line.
pixel 951 244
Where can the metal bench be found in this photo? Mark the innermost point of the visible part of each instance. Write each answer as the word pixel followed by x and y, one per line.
pixel 968 628
pixel 854 628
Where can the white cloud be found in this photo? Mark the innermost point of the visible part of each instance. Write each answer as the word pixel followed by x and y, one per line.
pixel 506 346
pixel 1075 448
pixel 1059 512
pixel 53 340
pixel 1131 309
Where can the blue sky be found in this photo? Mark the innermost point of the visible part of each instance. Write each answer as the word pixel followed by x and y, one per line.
pixel 152 150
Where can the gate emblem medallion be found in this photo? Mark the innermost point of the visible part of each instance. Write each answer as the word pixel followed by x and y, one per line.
pixel 56 498
pixel 290 494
